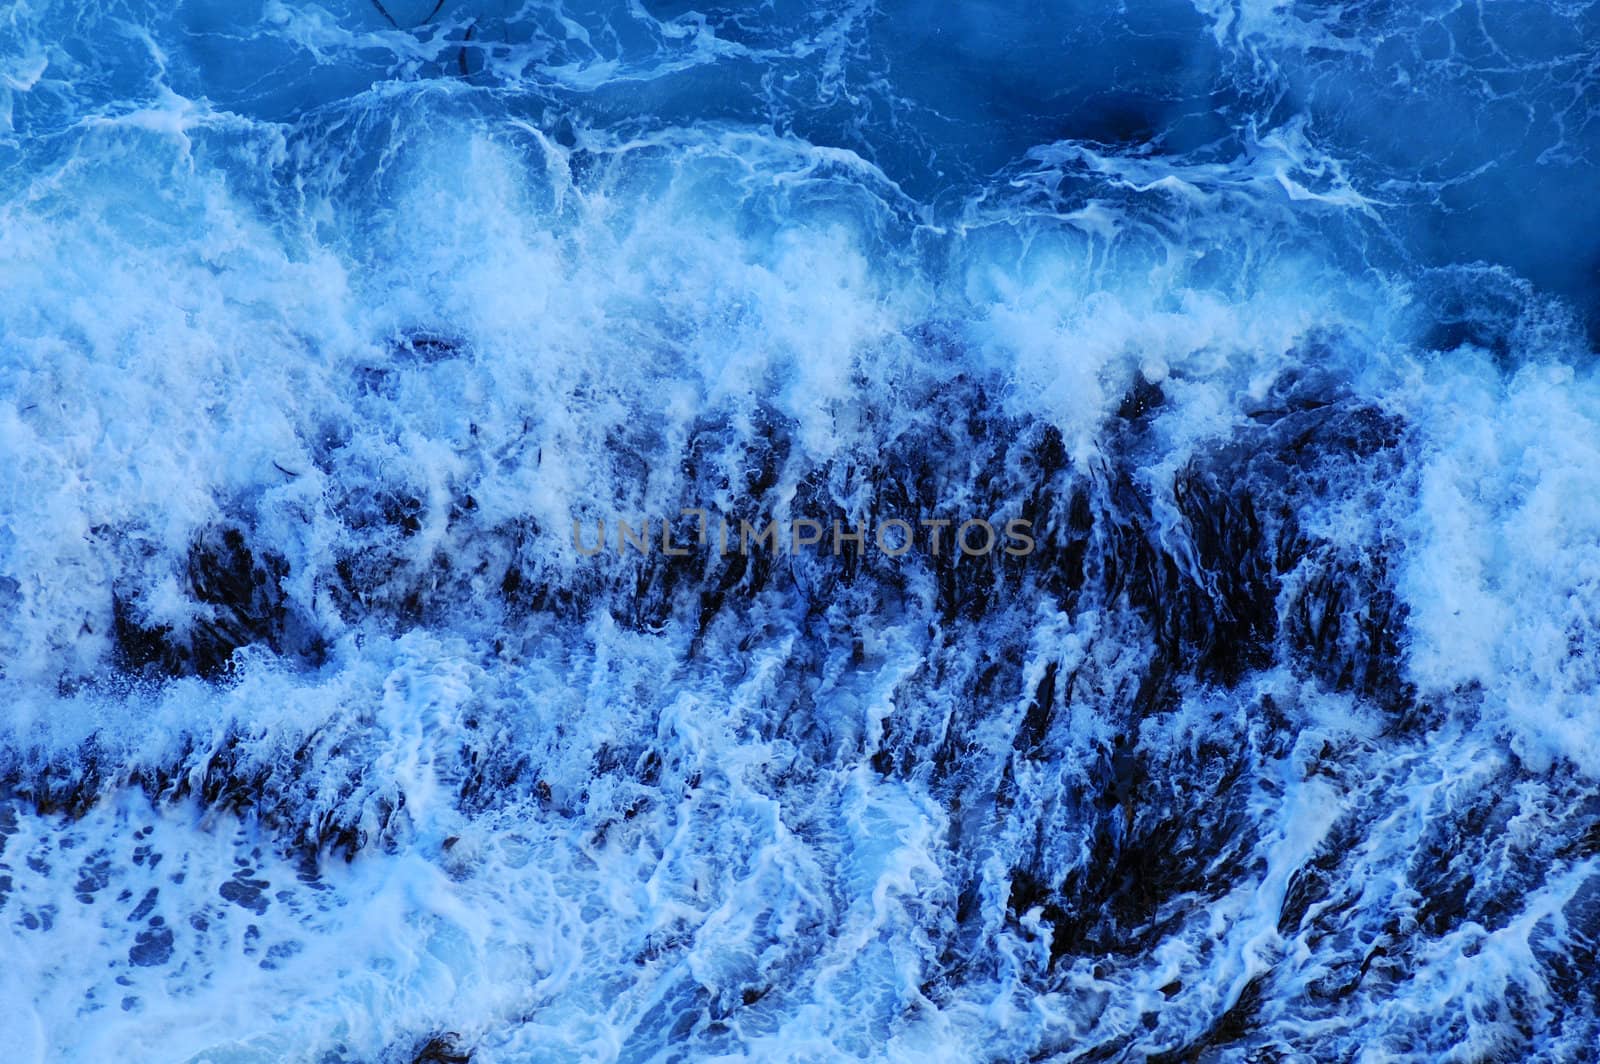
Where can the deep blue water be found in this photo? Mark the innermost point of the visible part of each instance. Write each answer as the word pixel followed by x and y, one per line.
pixel 331 334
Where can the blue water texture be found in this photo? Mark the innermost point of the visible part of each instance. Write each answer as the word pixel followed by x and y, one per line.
pixel 321 324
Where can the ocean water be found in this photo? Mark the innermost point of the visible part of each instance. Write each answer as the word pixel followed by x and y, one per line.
pixel 327 737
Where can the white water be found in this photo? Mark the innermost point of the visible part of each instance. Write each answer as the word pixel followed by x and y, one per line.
pixel 582 830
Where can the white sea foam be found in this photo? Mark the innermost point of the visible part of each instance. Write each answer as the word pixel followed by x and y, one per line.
pixel 581 838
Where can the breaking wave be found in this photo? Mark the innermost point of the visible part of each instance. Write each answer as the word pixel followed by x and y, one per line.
pixel 325 740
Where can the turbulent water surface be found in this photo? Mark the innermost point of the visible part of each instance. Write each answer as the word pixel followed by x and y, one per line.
pixel 324 740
